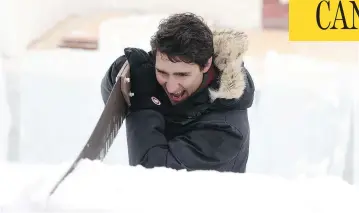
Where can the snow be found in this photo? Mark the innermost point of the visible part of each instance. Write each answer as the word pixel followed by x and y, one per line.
pixel 112 31
pixel 97 187
pixel 301 123
pixel 65 102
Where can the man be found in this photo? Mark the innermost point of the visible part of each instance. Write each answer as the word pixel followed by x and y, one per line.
pixel 191 95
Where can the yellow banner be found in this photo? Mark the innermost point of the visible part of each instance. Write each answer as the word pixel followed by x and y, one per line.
pixel 323 20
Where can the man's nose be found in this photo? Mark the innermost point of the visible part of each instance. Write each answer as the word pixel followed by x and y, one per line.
pixel 172 86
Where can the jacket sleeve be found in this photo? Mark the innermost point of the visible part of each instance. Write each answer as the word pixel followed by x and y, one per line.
pixel 209 146
pixel 109 80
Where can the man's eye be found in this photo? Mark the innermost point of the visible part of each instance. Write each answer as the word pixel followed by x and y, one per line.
pixel 182 74
pixel 161 72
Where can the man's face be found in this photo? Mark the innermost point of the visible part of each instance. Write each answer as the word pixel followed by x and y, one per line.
pixel 180 80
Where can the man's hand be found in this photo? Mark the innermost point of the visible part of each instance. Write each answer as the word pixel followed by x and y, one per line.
pixel 146 93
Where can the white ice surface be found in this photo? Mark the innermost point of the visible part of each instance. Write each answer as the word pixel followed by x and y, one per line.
pixel 112 36
pixel 301 123
pixel 95 187
pixel 60 92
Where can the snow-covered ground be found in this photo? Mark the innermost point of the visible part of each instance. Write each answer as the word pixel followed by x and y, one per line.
pixel 304 143
pixel 95 187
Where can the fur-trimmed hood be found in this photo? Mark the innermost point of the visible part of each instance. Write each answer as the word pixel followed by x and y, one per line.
pixel 233 79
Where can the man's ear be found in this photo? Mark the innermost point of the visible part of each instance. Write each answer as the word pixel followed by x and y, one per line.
pixel 208 65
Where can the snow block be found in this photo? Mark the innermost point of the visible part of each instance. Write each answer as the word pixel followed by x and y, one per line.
pixel 96 187
pixel 303 118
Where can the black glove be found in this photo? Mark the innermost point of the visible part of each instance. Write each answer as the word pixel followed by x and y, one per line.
pixel 147 93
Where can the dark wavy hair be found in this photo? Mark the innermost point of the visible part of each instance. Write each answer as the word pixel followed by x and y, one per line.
pixel 184 37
